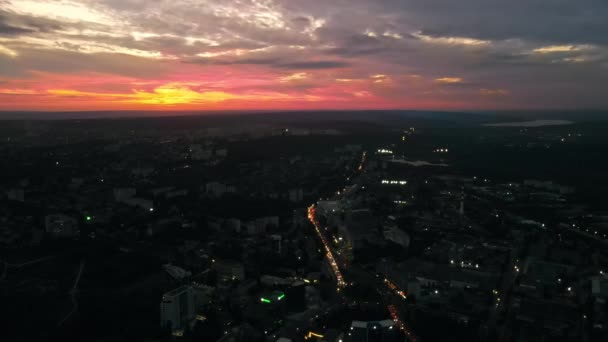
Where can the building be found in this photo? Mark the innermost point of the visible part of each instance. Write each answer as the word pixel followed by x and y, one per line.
pixel 276 243
pixel 374 331
pixel 233 225
pixel 273 281
pixel 222 152
pixel 274 297
pixel 549 186
pixel 273 304
pixel 216 189
pixel 177 309
pixel 328 206
pixel 61 225
pixel 296 195
pixel 142 203
pixel 599 289
pixel 229 271
pixel 252 229
pixel 122 194
pixel 296 297
pixel 16 195
pixel 396 235
pixel 198 152
pixel 360 226
pixel 176 272
pixel 142 172
pixel 203 295
pixel 259 225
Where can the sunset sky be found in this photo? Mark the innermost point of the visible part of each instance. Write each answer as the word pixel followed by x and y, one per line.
pixel 303 54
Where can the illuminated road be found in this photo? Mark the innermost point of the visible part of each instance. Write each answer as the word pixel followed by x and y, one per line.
pixel 363 160
pixel 329 255
pixel 392 288
pixel 395 316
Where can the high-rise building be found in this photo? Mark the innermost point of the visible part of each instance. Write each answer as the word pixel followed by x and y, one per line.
pixel 177 309
pixel 276 243
pixel 461 208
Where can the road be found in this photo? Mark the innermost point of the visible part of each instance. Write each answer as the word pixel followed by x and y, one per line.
pixel 312 212
pixel 393 297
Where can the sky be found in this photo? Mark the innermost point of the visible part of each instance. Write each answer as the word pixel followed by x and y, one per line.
pixel 58 55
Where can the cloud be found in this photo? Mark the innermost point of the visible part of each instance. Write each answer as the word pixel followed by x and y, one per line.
pixel 557 48
pixel 13 24
pixel 380 78
pixel 493 92
pixel 175 94
pixel 449 80
pixel 63 61
pixel 559 21
pixel 454 41
pixel 346 80
pixel 7 52
pixel 70 11
pixel 538 50
pixel 324 64
pixel 18 92
pixel 298 76
pixel 8 30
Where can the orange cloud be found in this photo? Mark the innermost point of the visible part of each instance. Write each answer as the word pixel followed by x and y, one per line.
pixel 18 92
pixel 298 76
pixel 557 49
pixel 8 52
pixel 380 78
pixel 178 94
pixel 173 94
pixel 449 80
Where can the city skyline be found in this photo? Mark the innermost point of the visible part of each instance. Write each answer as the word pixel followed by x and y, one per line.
pixel 292 55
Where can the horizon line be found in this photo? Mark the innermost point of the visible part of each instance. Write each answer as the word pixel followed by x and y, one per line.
pixel 192 113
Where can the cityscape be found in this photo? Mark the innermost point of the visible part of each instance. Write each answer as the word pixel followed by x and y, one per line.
pixel 304 171
pixel 292 228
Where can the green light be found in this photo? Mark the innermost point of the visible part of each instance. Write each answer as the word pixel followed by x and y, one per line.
pixel 264 300
pixel 281 296
pixel 88 218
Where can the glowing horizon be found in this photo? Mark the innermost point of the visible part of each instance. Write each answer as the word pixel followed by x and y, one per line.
pixel 58 55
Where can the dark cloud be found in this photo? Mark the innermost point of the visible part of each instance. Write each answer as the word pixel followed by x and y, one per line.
pixel 300 22
pixel 15 24
pixel 9 30
pixel 312 65
pixel 542 21
pixel 358 45
pixel 556 21
pixel 277 63
pixel 73 62
pixel 243 61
